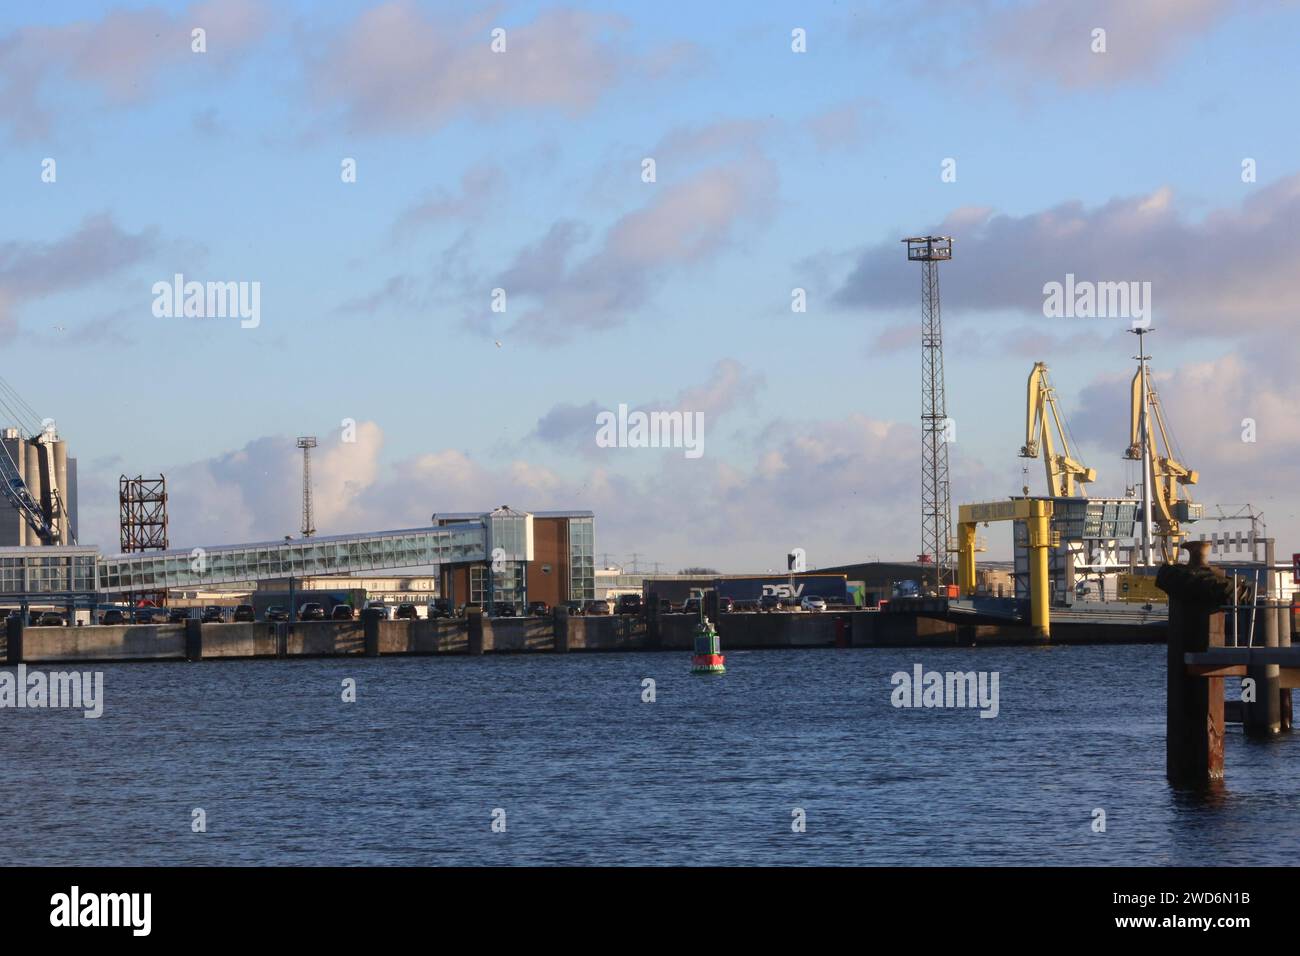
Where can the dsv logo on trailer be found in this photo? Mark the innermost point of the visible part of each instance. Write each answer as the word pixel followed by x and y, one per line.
pixel 786 591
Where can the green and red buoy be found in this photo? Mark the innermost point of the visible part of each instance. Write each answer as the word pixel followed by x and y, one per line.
pixel 708 657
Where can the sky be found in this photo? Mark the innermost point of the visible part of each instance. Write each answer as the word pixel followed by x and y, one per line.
pixel 452 320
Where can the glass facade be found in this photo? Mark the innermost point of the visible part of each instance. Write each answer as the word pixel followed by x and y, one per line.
pixel 582 559
pixel 81 570
pixel 342 554
pixel 39 571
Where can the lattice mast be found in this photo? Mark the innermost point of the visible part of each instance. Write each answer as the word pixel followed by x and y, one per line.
pixel 307 443
pixel 143 513
pixel 936 508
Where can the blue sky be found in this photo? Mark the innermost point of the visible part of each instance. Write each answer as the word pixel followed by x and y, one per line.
pixel 522 170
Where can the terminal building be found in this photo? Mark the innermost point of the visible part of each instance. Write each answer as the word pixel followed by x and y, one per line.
pixel 485 558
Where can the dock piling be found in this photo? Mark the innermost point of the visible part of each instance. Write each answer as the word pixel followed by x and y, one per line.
pixel 474 619
pixel 370 631
pixel 193 639
pixel 560 623
pixel 1194 704
pixel 14 640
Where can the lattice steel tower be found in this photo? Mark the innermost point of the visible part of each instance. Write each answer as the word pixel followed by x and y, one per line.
pixel 307 443
pixel 142 506
pixel 936 507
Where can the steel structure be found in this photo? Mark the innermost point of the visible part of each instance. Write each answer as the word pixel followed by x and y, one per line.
pixel 1066 476
pixel 936 510
pixel 1163 474
pixel 307 443
pixel 142 506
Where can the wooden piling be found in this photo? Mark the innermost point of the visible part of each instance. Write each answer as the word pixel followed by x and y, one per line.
pixel 1284 640
pixel 474 619
pixel 560 624
pixel 1194 704
pixel 13 640
pixel 1263 716
pixel 370 631
pixel 193 639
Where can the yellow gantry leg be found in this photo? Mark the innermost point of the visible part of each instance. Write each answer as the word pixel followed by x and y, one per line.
pixel 1040 539
pixel 966 559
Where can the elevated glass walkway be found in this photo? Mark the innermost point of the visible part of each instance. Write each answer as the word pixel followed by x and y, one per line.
pixel 337 554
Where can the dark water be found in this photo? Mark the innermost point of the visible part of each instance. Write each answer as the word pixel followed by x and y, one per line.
pixel 587 773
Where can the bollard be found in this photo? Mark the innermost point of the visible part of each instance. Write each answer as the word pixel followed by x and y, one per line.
pixel 13 640
pixel 560 624
pixel 370 628
pixel 1194 704
pixel 193 639
pixel 474 619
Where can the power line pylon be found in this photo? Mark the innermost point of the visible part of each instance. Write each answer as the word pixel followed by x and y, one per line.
pixel 936 507
pixel 307 443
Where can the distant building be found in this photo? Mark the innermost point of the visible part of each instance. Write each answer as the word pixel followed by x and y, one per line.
pixel 539 556
pixel 42 472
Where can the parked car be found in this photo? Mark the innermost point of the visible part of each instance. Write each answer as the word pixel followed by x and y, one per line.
pixel 811 603
pixel 244 612
pixel 113 616
pixel 574 608
pixel 178 615
pixel 311 611
pixel 48 619
pixel 148 615
pixel 769 602
pixel 665 606
pixel 406 612
pixel 383 609
pixel 277 612
pixel 629 604
pixel 745 606
pixel 538 609
pixel 504 609
pixel 441 608
pixel 341 612
pixel 692 606
pixel 592 608
pixel 212 615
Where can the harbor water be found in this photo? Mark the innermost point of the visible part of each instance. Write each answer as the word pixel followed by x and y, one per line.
pixel 574 765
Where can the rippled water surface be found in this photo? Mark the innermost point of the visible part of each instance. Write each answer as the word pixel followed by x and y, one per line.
pixel 586 772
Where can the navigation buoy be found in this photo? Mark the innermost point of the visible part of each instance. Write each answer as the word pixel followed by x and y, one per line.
pixel 708 657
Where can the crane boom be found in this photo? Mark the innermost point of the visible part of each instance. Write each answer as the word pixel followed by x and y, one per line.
pixel 1065 474
pixel 20 498
pixel 1166 473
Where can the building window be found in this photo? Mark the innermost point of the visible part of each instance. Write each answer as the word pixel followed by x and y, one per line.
pixel 582 565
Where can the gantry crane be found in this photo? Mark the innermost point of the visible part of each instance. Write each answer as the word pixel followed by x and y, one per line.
pixel 1164 473
pixel 1065 474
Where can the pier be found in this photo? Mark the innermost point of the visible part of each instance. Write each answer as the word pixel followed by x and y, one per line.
pixel 479 634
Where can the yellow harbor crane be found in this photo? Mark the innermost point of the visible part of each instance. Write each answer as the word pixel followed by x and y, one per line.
pixel 1164 474
pixel 1065 475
